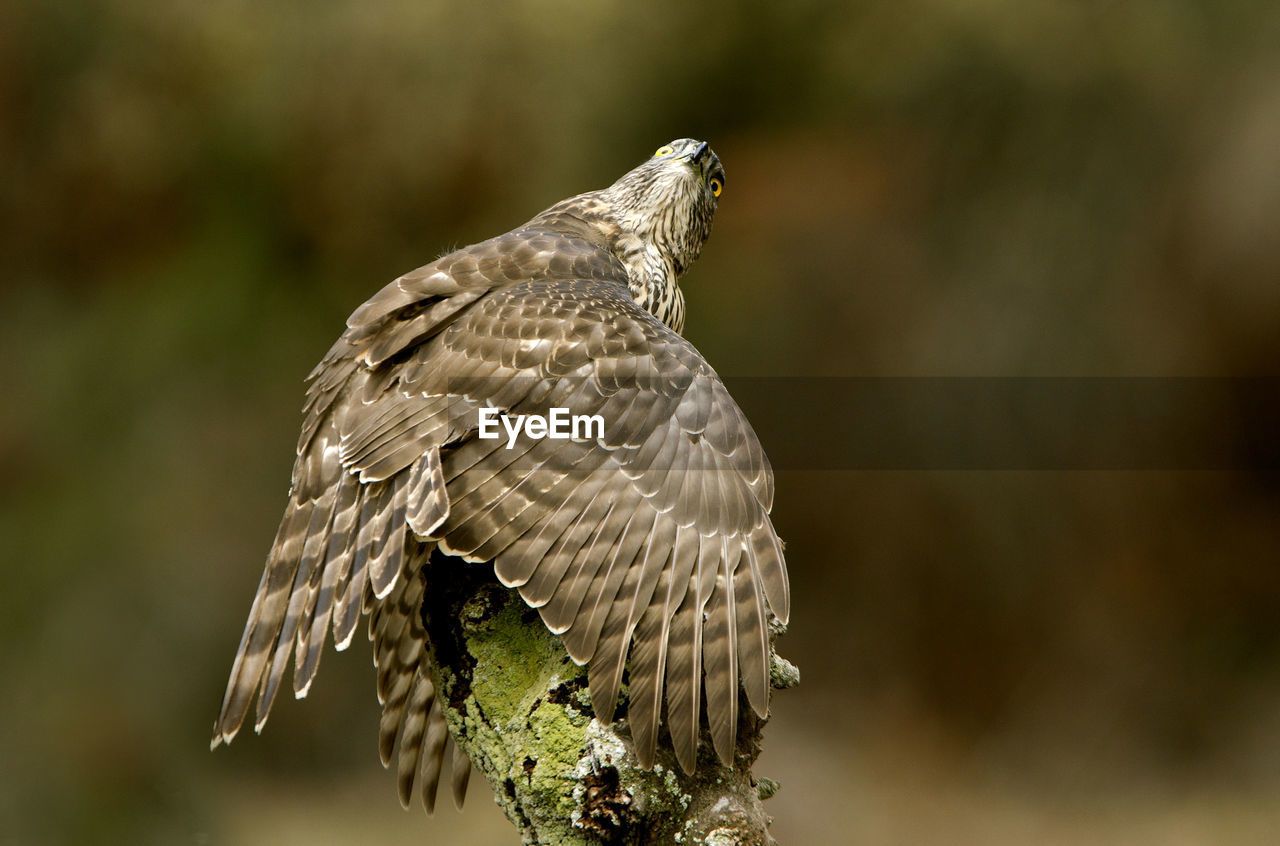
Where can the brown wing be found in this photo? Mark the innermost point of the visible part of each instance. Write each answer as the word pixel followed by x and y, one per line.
pixel 635 536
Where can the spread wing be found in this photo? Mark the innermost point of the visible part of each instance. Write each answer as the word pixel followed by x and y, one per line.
pixel 651 541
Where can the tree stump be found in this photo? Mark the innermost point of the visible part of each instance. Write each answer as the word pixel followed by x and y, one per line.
pixel 520 709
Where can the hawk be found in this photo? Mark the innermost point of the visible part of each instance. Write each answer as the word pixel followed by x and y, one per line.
pixel 647 549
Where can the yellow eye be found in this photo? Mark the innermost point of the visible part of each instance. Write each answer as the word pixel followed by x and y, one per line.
pixel 665 151
pixel 716 186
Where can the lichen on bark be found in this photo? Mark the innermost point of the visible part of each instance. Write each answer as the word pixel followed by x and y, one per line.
pixel 520 709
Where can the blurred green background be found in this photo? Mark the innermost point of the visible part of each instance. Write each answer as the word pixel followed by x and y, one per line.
pixel 196 194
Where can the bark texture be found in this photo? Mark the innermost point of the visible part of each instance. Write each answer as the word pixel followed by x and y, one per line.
pixel 520 709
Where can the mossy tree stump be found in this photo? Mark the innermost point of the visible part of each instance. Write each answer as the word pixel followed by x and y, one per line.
pixel 520 709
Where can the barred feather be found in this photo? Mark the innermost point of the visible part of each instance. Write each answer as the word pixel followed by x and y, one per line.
pixel 648 547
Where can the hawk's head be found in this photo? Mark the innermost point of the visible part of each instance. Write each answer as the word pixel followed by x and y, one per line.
pixel 670 199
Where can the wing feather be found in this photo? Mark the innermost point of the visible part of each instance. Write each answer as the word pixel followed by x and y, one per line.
pixel 605 672
pixel 349 606
pixel 753 632
pixel 388 550
pixel 460 774
pixel 651 542
pixel 585 573
pixel 432 755
pixel 720 651
pixel 649 661
pixel 427 505
pixel 606 583
pixel 413 751
pixel 591 502
pixel 684 667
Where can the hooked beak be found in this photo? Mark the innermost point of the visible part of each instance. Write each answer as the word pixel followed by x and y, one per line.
pixel 701 159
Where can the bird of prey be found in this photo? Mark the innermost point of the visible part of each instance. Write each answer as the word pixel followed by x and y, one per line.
pixel 647 548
